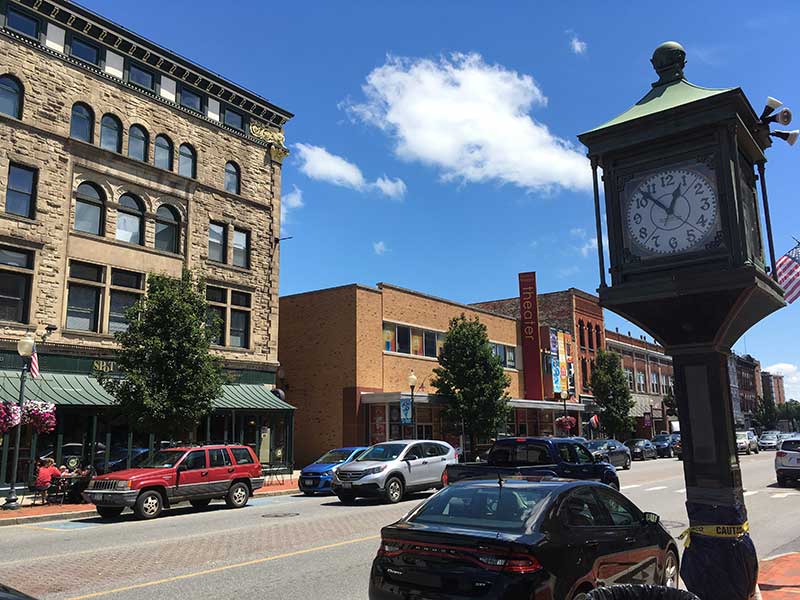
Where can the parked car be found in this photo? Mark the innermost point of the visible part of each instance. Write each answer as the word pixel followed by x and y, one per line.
pixel 677 448
pixel 746 442
pixel 612 451
pixel 768 441
pixel 118 459
pixel 172 475
pixel 787 461
pixel 317 476
pixel 558 457
pixel 392 469
pixel 664 444
pixel 641 449
pixel 517 538
pixel 73 454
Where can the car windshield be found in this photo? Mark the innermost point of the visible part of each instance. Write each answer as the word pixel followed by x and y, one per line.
pixel 163 459
pixel 334 457
pixel 632 443
pixel 491 508
pixel 769 436
pixel 382 452
pixel 596 444
pixel 741 435
pixel 662 438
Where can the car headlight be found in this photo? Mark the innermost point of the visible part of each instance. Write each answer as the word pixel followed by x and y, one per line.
pixel 374 470
pixel 327 473
pixel 123 485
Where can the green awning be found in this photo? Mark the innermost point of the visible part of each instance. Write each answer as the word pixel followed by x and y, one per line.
pixel 69 389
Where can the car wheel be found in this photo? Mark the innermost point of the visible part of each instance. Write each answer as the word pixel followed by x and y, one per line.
pixel 749 452
pixel 346 498
pixel 238 495
pixel 670 579
pixel 627 464
pixel 758 449
pixel 669 453
pixel 148 505
pixel 613 484
pixel 109 512
pixel 393 492
pixel 200 503
pixel 781 482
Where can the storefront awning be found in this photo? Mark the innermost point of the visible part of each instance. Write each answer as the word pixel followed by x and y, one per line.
pixel 70 389
pixel 392 397
pixel 546 405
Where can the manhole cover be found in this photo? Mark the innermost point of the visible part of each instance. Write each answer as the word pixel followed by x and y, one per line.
pixel 673 524
pixel 279 515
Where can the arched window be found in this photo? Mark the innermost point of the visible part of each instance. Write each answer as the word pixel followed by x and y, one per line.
pixel 187 161
pixel 138 142
pixel 584 374
pixel 111 133
pixel 130 220
pixel 232 177
pixel 582 333
pixel 10 96
pixel 167 229
pixel 81 124
pixel 590 336
pixel 598 341
pixel 163 152
pixel 89 209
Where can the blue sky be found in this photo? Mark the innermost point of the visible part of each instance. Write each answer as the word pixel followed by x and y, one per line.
pixel 434 144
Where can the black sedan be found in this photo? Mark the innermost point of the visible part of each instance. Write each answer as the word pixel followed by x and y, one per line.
pixel 664 443
pixel 641 449
pixel 521 538
pixel 611 451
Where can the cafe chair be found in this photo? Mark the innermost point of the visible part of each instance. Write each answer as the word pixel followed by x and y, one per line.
pixel 37 492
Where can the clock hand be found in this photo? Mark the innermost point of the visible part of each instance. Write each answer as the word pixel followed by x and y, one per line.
pixel 648 196
pixel 676 193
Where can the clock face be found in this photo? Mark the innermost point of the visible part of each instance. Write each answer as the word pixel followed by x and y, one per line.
pixel 672 211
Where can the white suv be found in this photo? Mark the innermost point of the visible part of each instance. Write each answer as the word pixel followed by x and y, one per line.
pixel 787 460
pixel 391 469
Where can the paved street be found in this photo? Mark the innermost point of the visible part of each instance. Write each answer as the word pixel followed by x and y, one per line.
pixel 296 547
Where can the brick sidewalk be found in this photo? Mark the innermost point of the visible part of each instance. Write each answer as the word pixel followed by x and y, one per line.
pixel 44 512
pixel 779 577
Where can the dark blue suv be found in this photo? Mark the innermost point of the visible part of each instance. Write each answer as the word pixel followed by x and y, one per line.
pixel 317 476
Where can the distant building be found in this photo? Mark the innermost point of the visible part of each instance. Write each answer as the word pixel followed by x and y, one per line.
pixel 748 376
pixel 773 387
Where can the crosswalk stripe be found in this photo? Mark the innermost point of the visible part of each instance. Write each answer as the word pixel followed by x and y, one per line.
pixel 656 488
pixel 751 492
pixel 680 491
pixel 628 487
pixel 784 495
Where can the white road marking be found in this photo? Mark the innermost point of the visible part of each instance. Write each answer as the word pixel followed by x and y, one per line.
pixel 680 491
pixel 656 488
pixel 784 494
pixel 628 487
pixel 751 492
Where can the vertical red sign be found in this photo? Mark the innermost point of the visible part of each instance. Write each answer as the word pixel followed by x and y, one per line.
pixel 529 316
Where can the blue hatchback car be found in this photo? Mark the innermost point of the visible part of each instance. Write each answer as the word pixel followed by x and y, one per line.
pixel 317 476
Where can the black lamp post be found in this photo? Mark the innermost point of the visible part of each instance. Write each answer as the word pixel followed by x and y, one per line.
pixel 412 383
pixel 564 396
pixel 25 349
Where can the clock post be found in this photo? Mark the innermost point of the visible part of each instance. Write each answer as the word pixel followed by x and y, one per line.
pixel 687 265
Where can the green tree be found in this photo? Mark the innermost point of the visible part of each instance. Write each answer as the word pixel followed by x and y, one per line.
pixel 167 377
pixel 766 414
pixel 471 376
pixel 611 392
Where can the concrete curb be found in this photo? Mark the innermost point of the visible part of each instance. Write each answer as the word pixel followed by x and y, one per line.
pixel 89 513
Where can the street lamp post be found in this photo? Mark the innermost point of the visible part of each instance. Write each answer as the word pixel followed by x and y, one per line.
pixel 25 349
pixel 564 396
pixel 412 383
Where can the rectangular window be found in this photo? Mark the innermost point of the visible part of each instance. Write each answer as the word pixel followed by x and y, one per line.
pixel 240 329
pixel 654 383
pixel 120 302
pixel 216 242
pixel 21 191
pixel 88 217
pixel 439 343
pixel 216 294
pixel 500 352
pixel 240 299
pixel 389 337
pixel 14 296
pixel 80 270
pixel 83 307
pixel 416 342
pixel 511 357
pixel 127 279
pixel 629 378
pixel 241 248
pixel 85 51
pixel 219 312
pixel 191 100
pixel 22 23
pixel 219 457
pixel 430 344
pixel 141 77
pixel 640 382
pixel 16 258
pixel 404 339
pixel 233 119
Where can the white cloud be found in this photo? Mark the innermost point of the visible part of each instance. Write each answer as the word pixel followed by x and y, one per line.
pixel 317 163
pixel 470 120
pixel 565 272
pixel 588 246
pixel 578 232
pixel 380 248
pixel 577 45
pixel 791 378
pixel 290 201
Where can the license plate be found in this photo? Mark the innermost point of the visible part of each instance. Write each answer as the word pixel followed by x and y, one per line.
pixel 308 482
pixel 347 485
pixel 106 497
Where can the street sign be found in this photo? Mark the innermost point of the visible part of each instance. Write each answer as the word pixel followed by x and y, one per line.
pixel 406 410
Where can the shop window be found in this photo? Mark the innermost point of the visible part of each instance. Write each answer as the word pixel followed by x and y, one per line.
pixel 83 50
pixel 163 152
pixel 167 229
pixel 16 275
pixel 89 209
pixel 138 142
pixel 81 124
pixel 187 161
pixel 232 177
pixel 404 339
pixel 21 190
pixel 130 220
pixel 111 133
pixel 389 338
pixel 241 248
pixel 217 242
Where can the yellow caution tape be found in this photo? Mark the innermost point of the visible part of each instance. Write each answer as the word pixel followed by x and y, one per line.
pixel 718 531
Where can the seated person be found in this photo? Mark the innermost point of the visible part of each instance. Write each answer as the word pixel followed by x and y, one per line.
pixel 44 475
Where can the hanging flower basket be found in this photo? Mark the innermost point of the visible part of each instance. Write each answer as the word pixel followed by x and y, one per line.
pixel 566 423
pixel 10 416
pixel 40 415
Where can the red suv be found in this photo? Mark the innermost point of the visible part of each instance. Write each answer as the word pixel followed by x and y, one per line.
pixel 198 474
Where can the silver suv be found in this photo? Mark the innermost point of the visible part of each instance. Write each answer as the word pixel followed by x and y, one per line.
pixel 747 442
pixel 391 469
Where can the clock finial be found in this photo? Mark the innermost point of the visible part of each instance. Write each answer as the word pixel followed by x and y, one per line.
pixel 668 61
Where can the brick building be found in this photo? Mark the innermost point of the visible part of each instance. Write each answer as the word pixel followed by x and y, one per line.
pixel 119 158
pixel 749 380
pixel 650 376
pixel 346 354
pixel 773 387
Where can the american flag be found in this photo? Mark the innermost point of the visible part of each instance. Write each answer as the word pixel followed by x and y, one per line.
pixel 34 363
pixel 788 269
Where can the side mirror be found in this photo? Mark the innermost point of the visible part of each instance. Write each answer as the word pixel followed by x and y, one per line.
pixel 412 457
pixel 651 518
pixel 181 468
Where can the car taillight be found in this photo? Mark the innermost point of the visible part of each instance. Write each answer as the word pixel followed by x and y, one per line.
pixel 780 453
pixel 517 563
pixel 445 479
pixel 388 548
